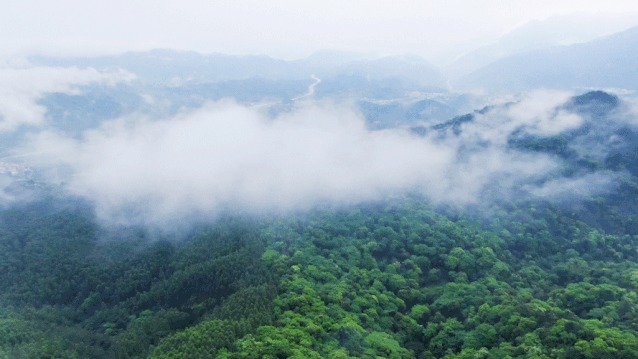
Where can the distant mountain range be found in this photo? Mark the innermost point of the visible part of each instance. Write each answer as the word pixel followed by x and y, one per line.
pixel 605 140
pixel 607 62
pixel 177 68
pixel 390 90
pixel 529 57
pixel 540 34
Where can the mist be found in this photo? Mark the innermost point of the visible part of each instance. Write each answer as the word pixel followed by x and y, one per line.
pixel 230 157
pixel 225 156
pixel 22 87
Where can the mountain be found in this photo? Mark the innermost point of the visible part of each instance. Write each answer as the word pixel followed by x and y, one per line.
pixel 176 68
pixel 607 62
pixel 389 114
pixel 395 278
pixel 168 81
pixel 409 68
pixel 601 123
pixel 540 34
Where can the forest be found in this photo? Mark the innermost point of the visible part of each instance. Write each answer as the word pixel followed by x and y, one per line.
pixel 403 277
pixel 392 279
pixel 319 179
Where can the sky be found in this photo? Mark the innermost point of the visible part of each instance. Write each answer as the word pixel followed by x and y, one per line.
pixel 439 30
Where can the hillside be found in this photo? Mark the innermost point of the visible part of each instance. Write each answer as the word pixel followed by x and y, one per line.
pixel 540 276
pixel 540 34
pixel 607 62
pixel 310 180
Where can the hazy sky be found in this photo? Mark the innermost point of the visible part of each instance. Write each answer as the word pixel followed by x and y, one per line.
pixel 437 29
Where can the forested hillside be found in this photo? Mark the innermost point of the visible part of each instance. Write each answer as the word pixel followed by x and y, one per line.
pixel 71 291
pixel 548 269
pixel 309 180
pixel 386 279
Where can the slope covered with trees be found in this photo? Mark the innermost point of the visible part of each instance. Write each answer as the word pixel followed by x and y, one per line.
pixel 67 292
pixel 390 280
pixel 528 277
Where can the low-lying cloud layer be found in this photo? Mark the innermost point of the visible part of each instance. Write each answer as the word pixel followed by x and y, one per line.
pixel 21 88
pixel 227 156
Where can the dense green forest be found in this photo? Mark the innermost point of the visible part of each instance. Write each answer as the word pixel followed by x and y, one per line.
pixel 396 280
pixel 508 278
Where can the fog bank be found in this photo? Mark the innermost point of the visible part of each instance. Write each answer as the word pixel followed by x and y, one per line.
pixel 226 156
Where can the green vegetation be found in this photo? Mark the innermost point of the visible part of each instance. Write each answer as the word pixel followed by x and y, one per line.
pixel 395 281
pixel 66 293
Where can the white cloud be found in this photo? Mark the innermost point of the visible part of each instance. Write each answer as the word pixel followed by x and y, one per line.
pixel 579 187
pixel 226 156
pixel 537 113
pixel 540 113
pixel 20 89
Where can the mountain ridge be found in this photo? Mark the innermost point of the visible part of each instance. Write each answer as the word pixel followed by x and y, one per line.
pixel 607 62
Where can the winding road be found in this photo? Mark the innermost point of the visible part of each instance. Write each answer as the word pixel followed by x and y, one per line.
pixel 311 88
